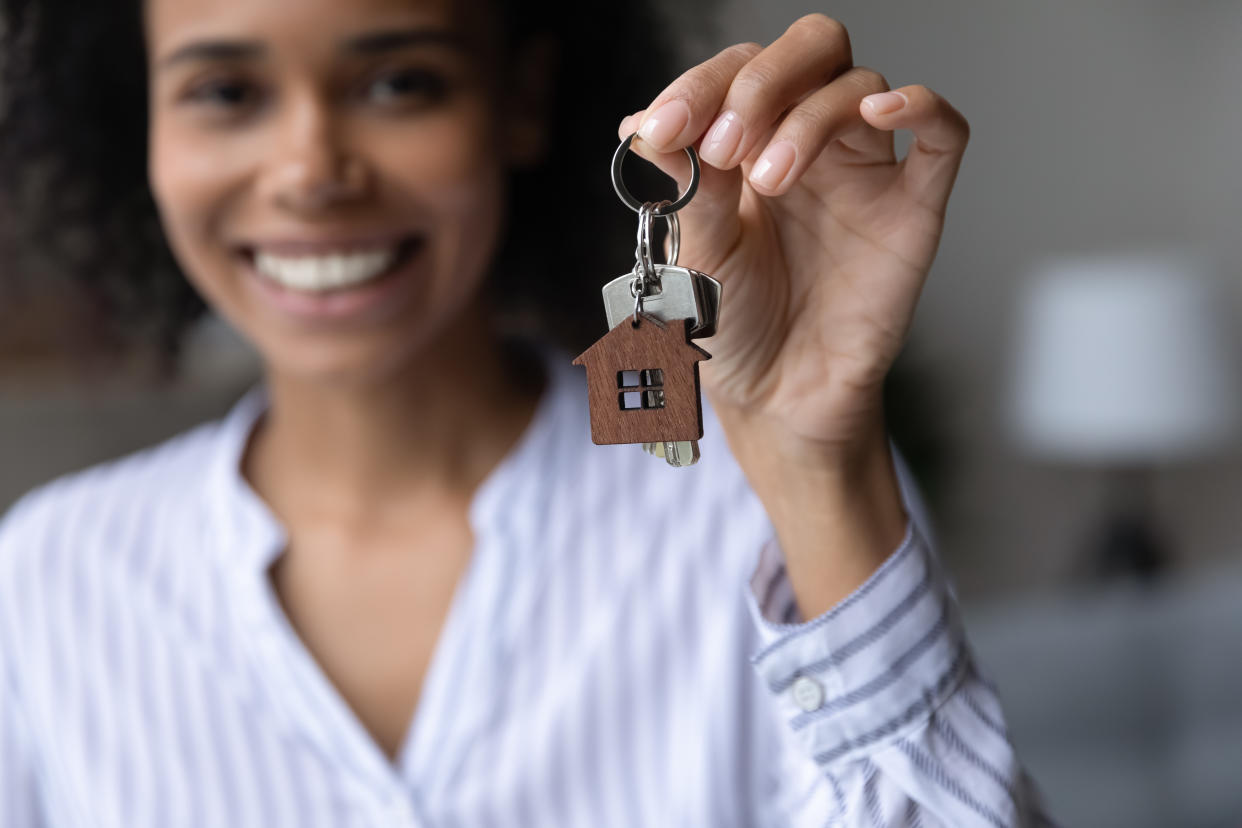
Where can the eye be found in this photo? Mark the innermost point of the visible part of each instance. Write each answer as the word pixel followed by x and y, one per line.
pixel 224 93
pixel 407 86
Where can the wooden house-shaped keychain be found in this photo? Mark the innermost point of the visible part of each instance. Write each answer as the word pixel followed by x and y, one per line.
pixel 643 383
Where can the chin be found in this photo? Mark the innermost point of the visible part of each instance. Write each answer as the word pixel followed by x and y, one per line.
pixel 367 361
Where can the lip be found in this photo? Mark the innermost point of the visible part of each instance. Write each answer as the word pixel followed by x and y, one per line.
pixel 358 303
pixel 323 243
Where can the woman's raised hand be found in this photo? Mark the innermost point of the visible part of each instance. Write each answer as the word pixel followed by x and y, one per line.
pixel 822 237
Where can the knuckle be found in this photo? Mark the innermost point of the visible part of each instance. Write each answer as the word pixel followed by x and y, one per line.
pixel 693 84
pixel 713 77
pixel 819 23
pixel 696 83
pixel 805 121
pixel 960 124
pixel 920 94
pixel 745 51
pixel 869 80
pixel 750 84
pixel 822 27
pixel 935 104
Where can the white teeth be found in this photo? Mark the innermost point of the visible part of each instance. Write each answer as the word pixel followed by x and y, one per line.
pixel 321 273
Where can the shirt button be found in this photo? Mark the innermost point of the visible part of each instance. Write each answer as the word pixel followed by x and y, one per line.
pixel 807 693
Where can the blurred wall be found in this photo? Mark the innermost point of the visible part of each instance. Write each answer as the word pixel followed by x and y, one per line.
pixel 1095 126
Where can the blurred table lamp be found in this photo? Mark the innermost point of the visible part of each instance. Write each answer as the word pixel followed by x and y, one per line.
pixel 1126 364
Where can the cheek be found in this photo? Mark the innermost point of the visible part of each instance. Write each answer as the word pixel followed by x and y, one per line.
pixel 452 170
pixel 191 181
pixel 450 164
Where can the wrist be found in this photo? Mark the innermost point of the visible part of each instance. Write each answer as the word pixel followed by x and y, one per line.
pixel 835 505
pixel 848 450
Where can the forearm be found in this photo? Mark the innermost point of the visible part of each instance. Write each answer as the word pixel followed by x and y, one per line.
pixel 838 514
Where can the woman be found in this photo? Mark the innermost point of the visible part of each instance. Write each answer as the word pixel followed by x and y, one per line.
pixel 397 585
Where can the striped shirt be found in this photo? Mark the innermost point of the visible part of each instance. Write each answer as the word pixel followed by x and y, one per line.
pixel 622 650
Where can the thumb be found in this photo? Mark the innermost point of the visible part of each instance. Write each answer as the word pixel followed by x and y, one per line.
pixel 709 223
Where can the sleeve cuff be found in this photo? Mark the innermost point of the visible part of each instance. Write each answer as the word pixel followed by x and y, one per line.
pixel 869 670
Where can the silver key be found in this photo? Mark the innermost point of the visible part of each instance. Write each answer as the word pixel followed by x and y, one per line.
pixel 669 292
pixel 675 453
pixel 678 293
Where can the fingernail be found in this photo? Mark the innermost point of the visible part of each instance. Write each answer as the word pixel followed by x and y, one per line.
pixel 665 124
pixel 722 139
pixel 882 103
pixel 626 126
pixel 773 165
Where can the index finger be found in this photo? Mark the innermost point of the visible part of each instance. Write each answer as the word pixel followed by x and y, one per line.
pixel 735 98
pixel 683 111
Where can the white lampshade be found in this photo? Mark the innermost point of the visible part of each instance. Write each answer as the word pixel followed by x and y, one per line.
pixel 1125 359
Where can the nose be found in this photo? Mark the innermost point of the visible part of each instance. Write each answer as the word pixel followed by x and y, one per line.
pixel 312 168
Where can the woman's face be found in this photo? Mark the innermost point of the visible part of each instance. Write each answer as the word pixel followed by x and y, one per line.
pixel 330 173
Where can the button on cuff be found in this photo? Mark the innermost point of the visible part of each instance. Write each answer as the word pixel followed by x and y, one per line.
pixel 807 693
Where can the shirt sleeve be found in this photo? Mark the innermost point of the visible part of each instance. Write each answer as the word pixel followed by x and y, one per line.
pixel 882 694
pixel 18 789
pixel 19 799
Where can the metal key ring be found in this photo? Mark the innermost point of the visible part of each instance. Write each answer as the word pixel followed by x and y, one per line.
pixel 644 261
pixel 634 204
pixel 674 235
pixel 643 252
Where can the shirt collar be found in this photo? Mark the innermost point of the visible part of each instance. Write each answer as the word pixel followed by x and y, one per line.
pixel 248 535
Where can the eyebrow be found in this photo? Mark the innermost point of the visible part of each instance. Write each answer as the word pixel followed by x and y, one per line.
pixel 212 50
pixel 371 43
pixel 396 39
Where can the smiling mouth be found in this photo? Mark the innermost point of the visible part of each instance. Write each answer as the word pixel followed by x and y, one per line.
pixel 331 271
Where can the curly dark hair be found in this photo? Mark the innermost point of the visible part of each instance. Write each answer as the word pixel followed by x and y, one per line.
pixel 73 161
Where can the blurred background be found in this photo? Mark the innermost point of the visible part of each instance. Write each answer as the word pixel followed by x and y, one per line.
pixel 1070 396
